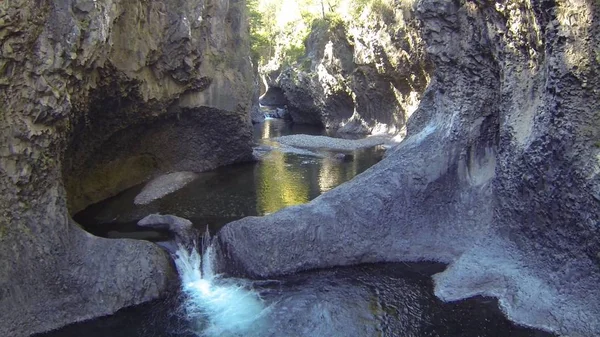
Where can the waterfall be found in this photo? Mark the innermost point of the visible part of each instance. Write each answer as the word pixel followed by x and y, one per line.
pixel 217 306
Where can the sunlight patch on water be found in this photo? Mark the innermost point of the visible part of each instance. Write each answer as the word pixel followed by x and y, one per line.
pixel 217 306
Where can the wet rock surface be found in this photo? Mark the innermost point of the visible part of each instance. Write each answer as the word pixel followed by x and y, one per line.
pixel 330 143
pixel 497 176
pixel 185 234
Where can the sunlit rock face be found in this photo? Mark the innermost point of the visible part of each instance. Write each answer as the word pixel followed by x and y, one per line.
pixel 498 175
pixel 360 77
pixel 97 96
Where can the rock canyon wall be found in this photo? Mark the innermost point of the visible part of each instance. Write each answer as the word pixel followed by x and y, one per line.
pixel 363 76
pixel 98 96
pixel 498 175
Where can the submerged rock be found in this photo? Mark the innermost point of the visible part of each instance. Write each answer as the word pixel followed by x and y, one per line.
pixel 163 185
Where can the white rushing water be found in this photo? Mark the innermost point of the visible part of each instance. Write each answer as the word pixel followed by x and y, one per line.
pixel 217 306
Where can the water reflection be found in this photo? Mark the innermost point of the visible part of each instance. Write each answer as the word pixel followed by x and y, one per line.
pixel 279 184
pixel 279 180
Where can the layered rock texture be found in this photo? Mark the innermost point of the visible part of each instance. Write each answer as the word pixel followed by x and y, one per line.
pixel 98 96
pixel 498 175
pixel 360 77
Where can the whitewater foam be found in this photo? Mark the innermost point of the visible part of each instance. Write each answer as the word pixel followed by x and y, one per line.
pixel 217 306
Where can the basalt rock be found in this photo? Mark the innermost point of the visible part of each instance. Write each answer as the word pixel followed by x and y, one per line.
pixel 498 175
pixel 185 234
pixel 359 77
pixel 96 96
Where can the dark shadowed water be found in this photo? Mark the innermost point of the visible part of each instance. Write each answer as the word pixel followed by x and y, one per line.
pixel 393 299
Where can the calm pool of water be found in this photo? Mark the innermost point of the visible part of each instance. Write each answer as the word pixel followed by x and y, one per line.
pixel 233 192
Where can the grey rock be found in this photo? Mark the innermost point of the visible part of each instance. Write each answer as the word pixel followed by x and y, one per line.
pixel 282 112
pixel 263 152
pixel 343 157
pixel 277 112
pixel 303 152
pixel 259 152
pixel 163 185
pixel 169 222
pixel 186 141
pixel 331 143
pixel 256 114
pixel 185 234
pixel 363 82
pixel 273 97
pixel 496 176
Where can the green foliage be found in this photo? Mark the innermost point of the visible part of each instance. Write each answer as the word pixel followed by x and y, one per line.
pixel 261 31
pixel 383 9
pixel 279 28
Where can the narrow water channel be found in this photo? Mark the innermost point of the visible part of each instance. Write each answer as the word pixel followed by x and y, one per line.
pixel 391 299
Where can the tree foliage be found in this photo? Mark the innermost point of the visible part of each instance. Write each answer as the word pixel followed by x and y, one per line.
pixel 279 28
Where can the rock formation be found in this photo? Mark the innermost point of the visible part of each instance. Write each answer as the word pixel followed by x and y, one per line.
pixel 163 185
pixel 359 77
pixel 185 234
pixel 98 96
pixel 498 175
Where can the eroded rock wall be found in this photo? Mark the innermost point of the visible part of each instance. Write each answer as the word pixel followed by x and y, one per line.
pixel 498 176
pixel 104 94
pixel 360 77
